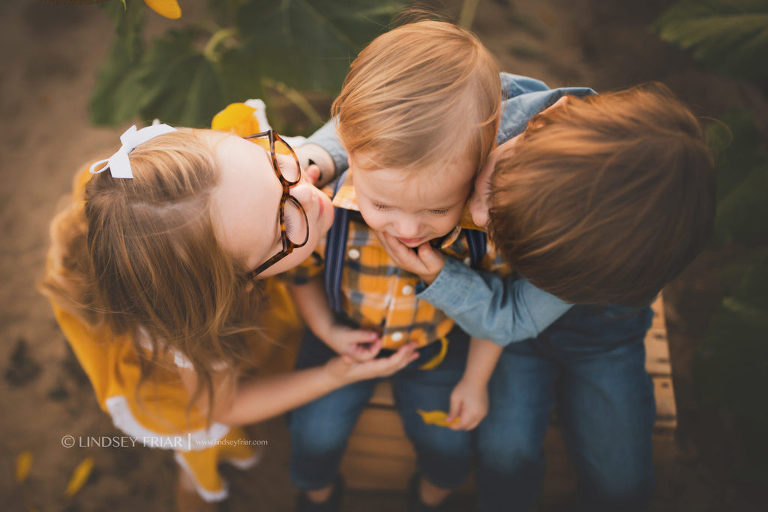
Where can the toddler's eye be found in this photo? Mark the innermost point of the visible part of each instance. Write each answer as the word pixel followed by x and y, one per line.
pixel 381 207
pixel 439 211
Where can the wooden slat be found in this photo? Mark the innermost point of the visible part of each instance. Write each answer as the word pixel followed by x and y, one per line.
pixel 382 394
pixel 371 472
pixel 380 421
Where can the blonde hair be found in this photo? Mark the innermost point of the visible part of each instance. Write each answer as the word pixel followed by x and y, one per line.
pixel 141 254
pixel 419 93
pixel 605 199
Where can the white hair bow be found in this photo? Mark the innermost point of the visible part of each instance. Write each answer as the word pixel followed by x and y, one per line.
pixel 118 164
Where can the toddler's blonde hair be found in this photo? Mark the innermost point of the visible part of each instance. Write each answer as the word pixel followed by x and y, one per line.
pixel 419 95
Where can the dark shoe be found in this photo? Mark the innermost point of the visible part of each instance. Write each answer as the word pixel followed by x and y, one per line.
pixel 332 504
pixel 414 499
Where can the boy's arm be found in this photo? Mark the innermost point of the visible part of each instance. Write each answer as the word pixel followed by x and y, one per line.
pixel 328 156
pixel 501 308
pixel 484 304
pixel 312 303
pixel 469 399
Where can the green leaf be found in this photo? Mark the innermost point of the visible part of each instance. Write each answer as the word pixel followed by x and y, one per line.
pixel 730 368
pixel 115 96
pixel 309 44
pixel 179 85
pixel 728 35
pixel 742 183
pixel 742 214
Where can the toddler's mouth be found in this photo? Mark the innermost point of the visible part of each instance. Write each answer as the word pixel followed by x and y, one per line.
pixel 411 242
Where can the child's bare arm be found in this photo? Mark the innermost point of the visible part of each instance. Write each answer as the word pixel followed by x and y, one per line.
pixel 253 400
pixel 312 303
pixel 469 399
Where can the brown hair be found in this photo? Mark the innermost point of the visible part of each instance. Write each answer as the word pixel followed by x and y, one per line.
pixel 607 198
pixel 415 91
pixel 141 254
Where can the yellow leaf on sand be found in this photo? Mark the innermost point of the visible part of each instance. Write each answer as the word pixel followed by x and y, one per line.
pixel 79 477
pixel 167 8
pixel 438 418
pixel 23 464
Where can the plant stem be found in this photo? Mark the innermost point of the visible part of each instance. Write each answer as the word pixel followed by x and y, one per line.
pixel 467 15
pixel 297 99
pixel 216 39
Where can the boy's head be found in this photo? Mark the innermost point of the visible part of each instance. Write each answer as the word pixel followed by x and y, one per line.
pixel 605 199
pixel 418 115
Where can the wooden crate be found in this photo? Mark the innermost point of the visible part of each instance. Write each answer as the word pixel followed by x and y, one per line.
pixel 380 457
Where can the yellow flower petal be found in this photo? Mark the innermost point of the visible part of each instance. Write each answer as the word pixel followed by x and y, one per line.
pixel 167 8
pixel 438 418
pixel 79 477
pixel 237 118
pixel 23 464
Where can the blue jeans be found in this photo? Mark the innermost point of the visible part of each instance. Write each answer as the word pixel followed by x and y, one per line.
pixel 592 363
pixel 320 429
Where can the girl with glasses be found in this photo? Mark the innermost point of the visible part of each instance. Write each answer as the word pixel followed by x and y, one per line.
pixel 158 274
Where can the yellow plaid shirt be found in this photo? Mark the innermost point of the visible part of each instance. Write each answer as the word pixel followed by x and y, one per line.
pixel 379 295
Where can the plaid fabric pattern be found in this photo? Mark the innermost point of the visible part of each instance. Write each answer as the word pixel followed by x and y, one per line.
pixel 379 295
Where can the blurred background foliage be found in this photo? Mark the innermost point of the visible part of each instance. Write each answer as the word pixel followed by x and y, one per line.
pixel 294 52
pixel 731 364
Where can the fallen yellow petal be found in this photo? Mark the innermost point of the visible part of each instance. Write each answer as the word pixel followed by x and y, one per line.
pixel 438 418
pixel 167 8
pixel 23 464
pixel 79 477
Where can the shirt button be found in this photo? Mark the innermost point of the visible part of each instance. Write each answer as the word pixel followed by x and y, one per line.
pixel 407 289
pixel 397 336
pixel 467 260
pixel 353 254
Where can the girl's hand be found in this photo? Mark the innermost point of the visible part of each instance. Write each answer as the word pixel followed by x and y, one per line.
pixel 348 370
pixel 469 405
pixel 424 261
pixel 359 344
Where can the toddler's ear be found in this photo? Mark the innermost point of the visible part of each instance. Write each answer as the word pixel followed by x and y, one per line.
pixel 559 103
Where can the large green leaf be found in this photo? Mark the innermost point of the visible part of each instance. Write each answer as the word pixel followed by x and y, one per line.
pixel 187 75
pixel 729 35
pixel 115 97
pixel 730 368
pixel 178 84
pixel 309 44
pixel 742 179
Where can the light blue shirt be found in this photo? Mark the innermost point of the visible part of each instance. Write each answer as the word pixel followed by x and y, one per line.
pixel 486 305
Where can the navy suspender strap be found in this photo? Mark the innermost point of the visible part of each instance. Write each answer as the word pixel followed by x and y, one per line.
pixel 335 246
pixel 478 244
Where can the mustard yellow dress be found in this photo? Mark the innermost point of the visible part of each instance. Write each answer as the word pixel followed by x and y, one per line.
pixel 156 413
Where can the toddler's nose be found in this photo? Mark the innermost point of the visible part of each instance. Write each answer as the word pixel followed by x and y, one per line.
pixel 408 228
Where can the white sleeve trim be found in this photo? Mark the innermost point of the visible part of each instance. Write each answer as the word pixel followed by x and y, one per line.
pixel 200 439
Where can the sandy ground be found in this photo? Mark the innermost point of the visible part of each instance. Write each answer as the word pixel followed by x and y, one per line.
pixel 49 56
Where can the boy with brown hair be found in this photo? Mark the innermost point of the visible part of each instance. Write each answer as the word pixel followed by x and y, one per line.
pixel 601 201
pixel 418 114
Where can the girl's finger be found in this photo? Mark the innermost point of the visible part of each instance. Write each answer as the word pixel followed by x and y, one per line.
pixel 313 173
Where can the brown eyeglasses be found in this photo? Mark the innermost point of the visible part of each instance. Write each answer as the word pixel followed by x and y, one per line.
pixel 294 226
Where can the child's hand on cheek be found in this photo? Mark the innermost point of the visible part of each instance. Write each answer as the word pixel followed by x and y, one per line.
pixel 424 261
pixel 359 344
